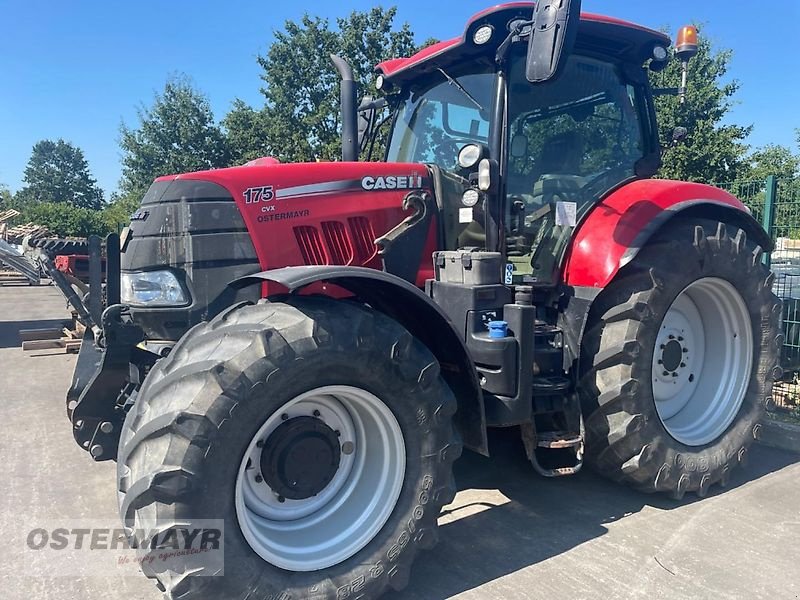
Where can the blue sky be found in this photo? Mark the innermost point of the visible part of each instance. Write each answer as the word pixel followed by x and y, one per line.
pixel 78 69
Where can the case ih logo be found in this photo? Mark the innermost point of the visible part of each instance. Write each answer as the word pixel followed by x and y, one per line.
pixel 392 182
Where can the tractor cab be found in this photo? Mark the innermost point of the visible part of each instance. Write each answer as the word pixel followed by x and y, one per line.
pixel 549 150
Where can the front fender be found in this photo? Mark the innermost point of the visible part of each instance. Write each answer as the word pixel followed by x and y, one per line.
pixel 614 231
pixel 421 316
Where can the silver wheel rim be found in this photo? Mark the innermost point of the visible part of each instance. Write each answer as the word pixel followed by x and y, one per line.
pixel 702 361
pixel 330 527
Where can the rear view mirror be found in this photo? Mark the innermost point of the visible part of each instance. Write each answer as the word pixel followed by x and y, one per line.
pixel 679 135
pixel 553 35
pixel 519 145
pixel 366 119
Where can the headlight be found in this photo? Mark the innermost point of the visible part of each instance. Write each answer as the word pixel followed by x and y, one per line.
pixel 151 288
pixel 469 156
pixel 470 198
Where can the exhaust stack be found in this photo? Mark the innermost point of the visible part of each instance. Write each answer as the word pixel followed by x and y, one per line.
pixel 349 109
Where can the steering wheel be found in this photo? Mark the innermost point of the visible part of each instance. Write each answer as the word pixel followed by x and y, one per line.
pixel 618 173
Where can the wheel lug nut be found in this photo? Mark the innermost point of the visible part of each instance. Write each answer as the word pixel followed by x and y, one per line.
pixel 338 433
pixel 672 337
pixel 281 499
pixel 685 350
pixel 284 417
pixel 683 365
pixel 680 339
pixel 316 413
pixel 661 362
pixel 663 346
pixel 674 374
pixel 666 373
pixel 348 447
pixel 259 479
pixel 260 444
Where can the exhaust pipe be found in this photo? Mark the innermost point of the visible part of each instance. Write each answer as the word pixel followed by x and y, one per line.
pixel 349 109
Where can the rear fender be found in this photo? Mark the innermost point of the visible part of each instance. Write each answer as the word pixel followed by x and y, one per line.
pixel 616 229
pixel 409 306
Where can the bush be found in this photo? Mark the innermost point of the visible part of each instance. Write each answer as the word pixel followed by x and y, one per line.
pixel 65 220
pixel 117 214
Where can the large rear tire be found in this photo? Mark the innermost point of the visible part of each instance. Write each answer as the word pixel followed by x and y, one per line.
pixel 678 360
pixel 319 431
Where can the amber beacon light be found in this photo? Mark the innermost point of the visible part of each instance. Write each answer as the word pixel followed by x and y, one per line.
pixel 686 47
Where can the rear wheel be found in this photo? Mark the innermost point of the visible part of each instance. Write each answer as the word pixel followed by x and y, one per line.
pixel 319 431
pixel 679 359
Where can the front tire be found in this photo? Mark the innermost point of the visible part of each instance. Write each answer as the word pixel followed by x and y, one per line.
pixel 679 358
pixel 319 431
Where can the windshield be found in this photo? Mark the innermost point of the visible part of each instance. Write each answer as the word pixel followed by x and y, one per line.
pixel 570 141
pixel 436 120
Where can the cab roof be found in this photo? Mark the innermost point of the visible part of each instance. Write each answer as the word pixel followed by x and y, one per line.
pixel 622 39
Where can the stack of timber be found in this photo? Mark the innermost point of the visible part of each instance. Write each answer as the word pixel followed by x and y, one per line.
pixel 67 337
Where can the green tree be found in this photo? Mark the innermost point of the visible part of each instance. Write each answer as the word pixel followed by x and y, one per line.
pixel 58 172
pixel 774 159
pixel 714 151
pixel 6 197
pixel 117 213
pixel 63 219
pixel 247 132
pixel 175 135
pixel 300 121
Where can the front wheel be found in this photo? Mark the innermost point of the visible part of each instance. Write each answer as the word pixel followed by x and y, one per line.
pixel 679 359
pixel 318 431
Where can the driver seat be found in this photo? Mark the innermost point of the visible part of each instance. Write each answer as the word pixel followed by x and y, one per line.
pixel 559 166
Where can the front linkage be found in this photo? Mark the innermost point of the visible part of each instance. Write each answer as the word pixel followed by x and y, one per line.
pixel 103 386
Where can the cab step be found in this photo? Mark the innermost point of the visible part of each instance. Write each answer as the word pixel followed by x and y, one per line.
pixel 551 385
pixel 553 453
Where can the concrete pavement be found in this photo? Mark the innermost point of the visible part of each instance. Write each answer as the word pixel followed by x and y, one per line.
pixel 509 534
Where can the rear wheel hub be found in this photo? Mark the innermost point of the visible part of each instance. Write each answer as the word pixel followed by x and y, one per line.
pixel 702 361
pixel 300 458
pixel 320 478
pixel 672 355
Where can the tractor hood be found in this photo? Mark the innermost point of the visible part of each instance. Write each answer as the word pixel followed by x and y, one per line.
pixel 212 227
pixel 318 213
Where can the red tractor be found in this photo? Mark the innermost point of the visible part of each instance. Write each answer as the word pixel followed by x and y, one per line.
pixel 300 350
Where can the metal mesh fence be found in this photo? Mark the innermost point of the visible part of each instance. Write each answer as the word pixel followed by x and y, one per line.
pixel 776 204
pixel 786 265
pixel 752 193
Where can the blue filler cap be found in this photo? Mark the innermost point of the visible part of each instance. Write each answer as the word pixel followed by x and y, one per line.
pixel 498 329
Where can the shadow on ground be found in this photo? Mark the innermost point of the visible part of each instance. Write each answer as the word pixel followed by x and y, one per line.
pixel 9 330
pixel 544 518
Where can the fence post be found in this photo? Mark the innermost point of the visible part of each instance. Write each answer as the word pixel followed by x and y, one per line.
pixel 769 213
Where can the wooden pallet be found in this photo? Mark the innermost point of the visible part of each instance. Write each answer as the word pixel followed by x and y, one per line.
pixel 53 338
pixel 5 215
pixel 12 278
pixel 16 234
